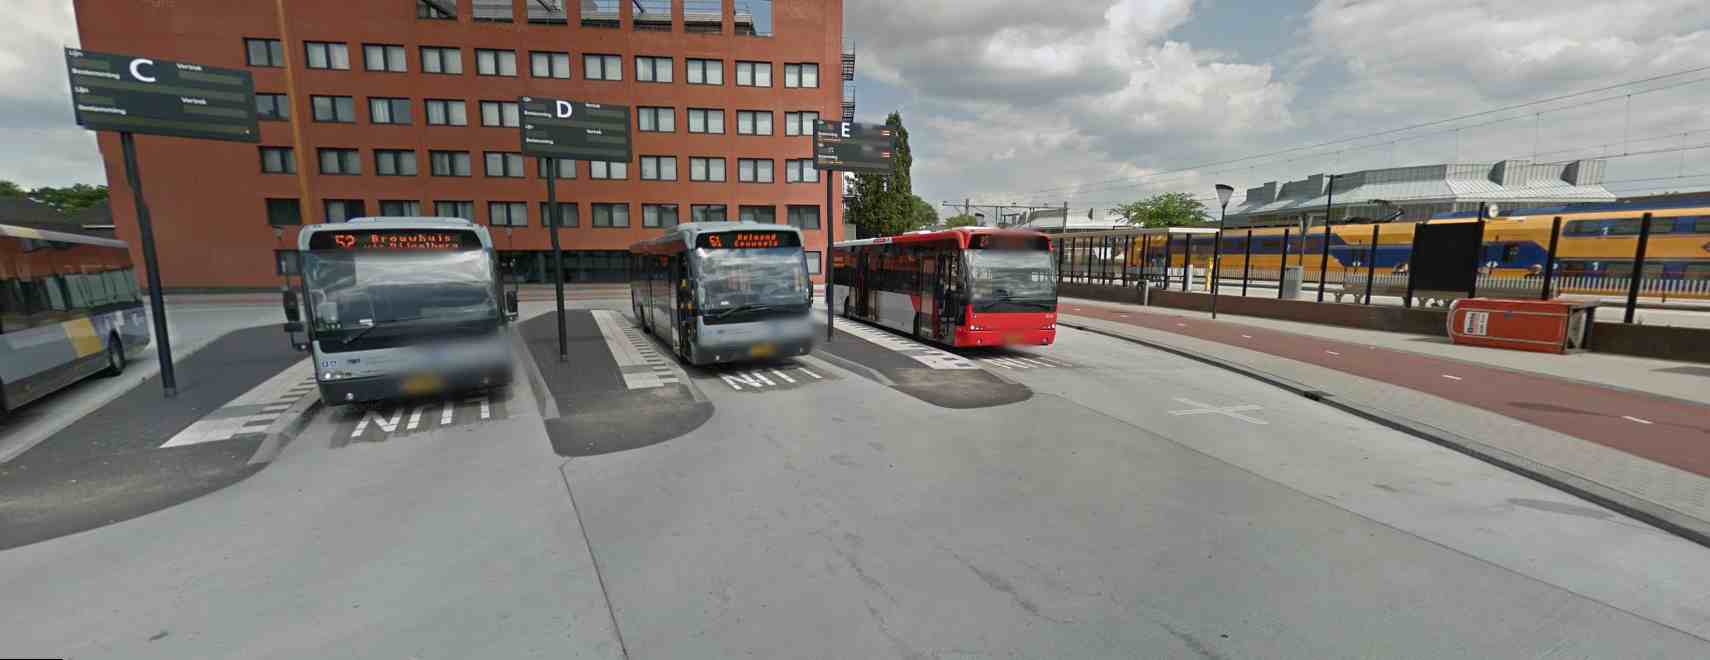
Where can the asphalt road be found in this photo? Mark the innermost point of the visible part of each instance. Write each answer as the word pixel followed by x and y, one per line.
pixel 1135 504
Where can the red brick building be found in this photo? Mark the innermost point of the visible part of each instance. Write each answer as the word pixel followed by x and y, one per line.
pixel 406 107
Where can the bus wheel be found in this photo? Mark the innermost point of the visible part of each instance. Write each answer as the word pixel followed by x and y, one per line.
pixel 115 357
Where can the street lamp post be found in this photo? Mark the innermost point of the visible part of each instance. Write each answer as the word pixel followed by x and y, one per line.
pixel 1223 193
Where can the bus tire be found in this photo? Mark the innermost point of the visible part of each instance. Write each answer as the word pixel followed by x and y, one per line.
pixel 115 356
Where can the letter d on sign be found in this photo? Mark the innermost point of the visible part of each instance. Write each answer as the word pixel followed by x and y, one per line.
pixel 565 109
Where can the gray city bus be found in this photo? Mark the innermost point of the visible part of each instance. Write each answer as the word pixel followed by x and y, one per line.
pixel 69 308
pixel 725 291
pixel 401 307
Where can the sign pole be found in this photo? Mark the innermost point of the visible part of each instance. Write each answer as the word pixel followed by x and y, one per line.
pixel 830 224
pixel 551 165
pixel 151 263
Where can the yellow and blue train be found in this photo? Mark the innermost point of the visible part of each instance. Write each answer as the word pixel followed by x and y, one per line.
pixel 1597 240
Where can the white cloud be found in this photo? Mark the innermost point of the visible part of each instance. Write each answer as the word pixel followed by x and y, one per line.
pixel 42 144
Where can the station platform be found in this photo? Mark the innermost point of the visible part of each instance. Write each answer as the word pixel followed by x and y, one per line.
pixel 1628 432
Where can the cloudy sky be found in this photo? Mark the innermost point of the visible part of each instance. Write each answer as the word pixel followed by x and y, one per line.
pixel 1098 102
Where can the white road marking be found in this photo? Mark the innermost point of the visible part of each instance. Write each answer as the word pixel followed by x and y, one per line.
pixel 1181 325
pixel 1452 377
pixel 251 411
pixel 415 418
pixel 1227 411
pixel 927 355
pixel 1332 352
pixel 631 360
pixel 486 406
pixel 810 373
pixel 445 414
pixel 783 375
pixel 1246 336
pixel 385 424
pixel 762 377
pixel 1636 419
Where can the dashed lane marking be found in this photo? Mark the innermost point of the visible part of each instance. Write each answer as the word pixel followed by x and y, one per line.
pixel 1452 377
pixel 641 365
pixel 250 414
pixel 1636 419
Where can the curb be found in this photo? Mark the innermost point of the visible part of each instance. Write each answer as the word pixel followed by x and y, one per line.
pixel 285 429
pixel 1651 513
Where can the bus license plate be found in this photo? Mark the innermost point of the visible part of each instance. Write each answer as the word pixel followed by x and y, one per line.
pixel 423 384
pixel 762 350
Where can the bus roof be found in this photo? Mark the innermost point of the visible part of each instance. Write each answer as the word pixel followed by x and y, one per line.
pixel 959 234
pixel 15 231
pixel 683 235
pixel 395 222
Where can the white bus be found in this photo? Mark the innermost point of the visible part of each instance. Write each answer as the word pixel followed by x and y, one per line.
pixel 724 291
pixel 401 307
pixel 69 308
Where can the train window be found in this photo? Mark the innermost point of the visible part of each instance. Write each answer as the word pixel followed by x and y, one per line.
pixel 1511 252
pixel 1696 271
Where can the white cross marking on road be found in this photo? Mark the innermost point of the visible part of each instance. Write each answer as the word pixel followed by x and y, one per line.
pixel 1227 411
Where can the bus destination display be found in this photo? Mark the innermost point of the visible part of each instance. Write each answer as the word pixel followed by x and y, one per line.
pixel 749 239
pixel 397 240
pixel 1002 242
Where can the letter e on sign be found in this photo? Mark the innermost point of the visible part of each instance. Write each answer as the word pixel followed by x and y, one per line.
pixel 136 69
pixel 565 109
pixel 845 128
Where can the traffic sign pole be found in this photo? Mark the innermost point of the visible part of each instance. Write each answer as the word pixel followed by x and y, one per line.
pixel 551 165
pixel 830 225
pixel 151 263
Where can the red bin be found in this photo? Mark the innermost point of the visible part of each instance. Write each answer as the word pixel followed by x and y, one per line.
pixel 1544 326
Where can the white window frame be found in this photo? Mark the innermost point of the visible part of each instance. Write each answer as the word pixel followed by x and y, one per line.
pixel 702 71
pixel 600 66
pixel 652 114
pixel 333 55
pixel 759 73
pixel 448 116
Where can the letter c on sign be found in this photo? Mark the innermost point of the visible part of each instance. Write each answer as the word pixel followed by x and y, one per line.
pixel 136 69
pixel 845 129
pixel 565 109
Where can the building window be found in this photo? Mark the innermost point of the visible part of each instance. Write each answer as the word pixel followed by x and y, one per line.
pixel 706 213
pixel 804 217
pixel 814 259
pixel 503 164
pixel 805 74
pixel 446 112
pixel 340 210
pixel 276 107
pixel 326 55
pixel 706 169
pixel 567 216
pixel 704 72
pixel 394 162
pixel 340 161
pixel 754 170
pixel 442 10
pixel 542 64
pixel 658 168
pixel 753 122
pixel 465 210
pixel 800 123
pixel 499 11
pixel 278 160
pixel 284 212
pixel 440 59
pixel 449 163
pixel 566 167
pixel 507 214
pixel 490 62
pixel 382 57
pixel 500 113
pixel 264 52
pixel 600 169
pixel 611 215
pixel 652 69
pixel 388 111
pixel 754 74
pixel 800 171
pixel 656 120
pixel 658 215
pixel 333 108
pixel 766 214
pixel 602 67
pixel 400 207
pixel 704 120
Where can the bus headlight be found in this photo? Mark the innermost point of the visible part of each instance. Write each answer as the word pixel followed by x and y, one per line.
pixel 335 375
pixel 976 327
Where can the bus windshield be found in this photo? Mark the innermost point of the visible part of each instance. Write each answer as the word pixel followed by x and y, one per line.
pixel 1012 280
pixel 356 290
pixel 744 278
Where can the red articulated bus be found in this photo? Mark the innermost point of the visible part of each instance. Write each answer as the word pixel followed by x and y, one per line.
pixel 968 286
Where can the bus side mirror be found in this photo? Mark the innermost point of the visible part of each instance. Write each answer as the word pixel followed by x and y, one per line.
pixel 511 303
pixel 292 314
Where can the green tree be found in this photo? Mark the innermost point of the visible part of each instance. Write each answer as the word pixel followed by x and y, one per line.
pixel 9 189
pixel 70 199
pixel 1165 210
pixel 884 205
pixel 921 213
pixel 962 220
